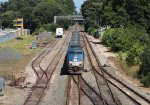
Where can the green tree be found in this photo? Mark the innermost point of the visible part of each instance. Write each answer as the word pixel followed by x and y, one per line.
pixel 144 73
pixel 8 17
pixel 36 13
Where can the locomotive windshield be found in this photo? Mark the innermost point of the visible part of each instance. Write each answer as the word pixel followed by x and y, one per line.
pixel 76 54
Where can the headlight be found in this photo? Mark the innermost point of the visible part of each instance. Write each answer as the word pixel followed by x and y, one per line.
pixel 80 65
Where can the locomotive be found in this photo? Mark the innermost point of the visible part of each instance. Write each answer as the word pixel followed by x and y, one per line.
pixel 75 55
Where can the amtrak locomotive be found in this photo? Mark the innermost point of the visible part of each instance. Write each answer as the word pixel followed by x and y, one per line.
pixel 75 55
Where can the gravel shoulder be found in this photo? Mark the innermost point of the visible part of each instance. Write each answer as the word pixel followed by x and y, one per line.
pixel 56 93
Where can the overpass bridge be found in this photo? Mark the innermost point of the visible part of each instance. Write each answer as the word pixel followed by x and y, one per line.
pixel 69 17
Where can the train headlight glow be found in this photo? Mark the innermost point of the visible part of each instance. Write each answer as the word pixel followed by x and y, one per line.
pixel 74 59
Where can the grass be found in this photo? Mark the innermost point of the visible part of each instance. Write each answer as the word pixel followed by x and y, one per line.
pixel 131 71
pixel 11 69
pixel 21 46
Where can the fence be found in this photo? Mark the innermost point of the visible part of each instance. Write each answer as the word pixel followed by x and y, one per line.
pixel 8 34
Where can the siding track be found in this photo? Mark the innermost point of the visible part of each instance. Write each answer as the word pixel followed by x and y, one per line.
pixel 44 75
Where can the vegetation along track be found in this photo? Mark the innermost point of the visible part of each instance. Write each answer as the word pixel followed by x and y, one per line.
pixel 44 76
pixel 100 73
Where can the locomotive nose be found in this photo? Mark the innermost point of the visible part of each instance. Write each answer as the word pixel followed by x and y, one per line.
pixel 75 58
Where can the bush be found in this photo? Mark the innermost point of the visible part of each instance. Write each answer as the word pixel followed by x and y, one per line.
pixel 19 38
pixel 39 30
pixel 51 27
pixel 46 27
pixel 123 39
pixel 134 54
pixel 91 31
pixel 145 65
pixel 106 39
pixel 130 40
pixel 146 80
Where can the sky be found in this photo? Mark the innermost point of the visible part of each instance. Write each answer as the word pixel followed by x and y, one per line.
pixel 78 4
pixel 3 0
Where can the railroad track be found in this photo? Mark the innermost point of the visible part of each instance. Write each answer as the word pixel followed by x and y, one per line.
pixel 44 76
pixel 73 90
pixel 36 63
pixel 74 87
pixel 108 98
pixel 104 78
pixel 78 85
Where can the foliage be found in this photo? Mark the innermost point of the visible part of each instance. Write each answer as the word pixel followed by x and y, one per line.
pixel 8 17
pixel 107 37
pixel 130 26
pixel 134 54
pixel 34 12
pixel 91 10
pixel 131 40
pixel 45 11
pixel 146 80
pixel 117 13
pixel 91 31
pixel 46 27
pixel 144 73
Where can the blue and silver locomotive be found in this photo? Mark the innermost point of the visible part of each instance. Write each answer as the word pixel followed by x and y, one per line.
pixel 75 55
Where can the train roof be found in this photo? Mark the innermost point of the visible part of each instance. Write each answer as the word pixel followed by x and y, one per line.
pixel 75 39
pixel 75 48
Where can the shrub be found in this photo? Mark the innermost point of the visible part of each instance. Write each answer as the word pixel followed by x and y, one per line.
pixel 131 40
pixel 146 80
pixel 39 30
pixel 106 39
pixel 145 65
pixel 19 38
pixel 91 31
pixel 134 54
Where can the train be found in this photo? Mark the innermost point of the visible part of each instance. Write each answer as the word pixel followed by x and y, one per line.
pixel 59 32
pixel 75 55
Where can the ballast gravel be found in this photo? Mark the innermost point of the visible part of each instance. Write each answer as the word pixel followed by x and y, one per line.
pixel 113 71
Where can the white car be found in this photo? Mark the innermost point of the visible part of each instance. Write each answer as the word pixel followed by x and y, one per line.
pixel 59 32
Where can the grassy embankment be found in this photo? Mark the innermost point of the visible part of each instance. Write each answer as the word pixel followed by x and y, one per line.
pixel 12 69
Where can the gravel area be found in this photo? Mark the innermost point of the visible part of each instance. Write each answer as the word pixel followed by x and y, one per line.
pixel 29 72
pixel 91 81
pixel 7 54
pixel 56 93
pixel 103 54
pixel 13 96
pixel 123 98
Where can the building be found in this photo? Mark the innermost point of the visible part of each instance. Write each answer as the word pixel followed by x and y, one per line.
pixel 18 23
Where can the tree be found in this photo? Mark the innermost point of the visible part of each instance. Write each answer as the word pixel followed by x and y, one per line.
pixel 8 17
pixel 144 73
pixel 35 12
